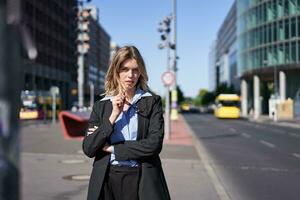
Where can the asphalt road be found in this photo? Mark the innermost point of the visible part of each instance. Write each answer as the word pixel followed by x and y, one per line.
pixel 252 161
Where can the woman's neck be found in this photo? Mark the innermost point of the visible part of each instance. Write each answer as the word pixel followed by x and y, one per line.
pixel 129 94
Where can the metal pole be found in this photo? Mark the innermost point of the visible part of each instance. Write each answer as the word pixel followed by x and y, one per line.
pixel 91 95
pixel 174 97
pixel 80 80
pixel 80 70
pixel 53 107
pixel 167 113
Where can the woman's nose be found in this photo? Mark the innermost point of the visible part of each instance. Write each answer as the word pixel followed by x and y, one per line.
pixel 130 73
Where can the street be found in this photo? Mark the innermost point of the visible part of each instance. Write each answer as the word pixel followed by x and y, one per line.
pixel 252 161
pixel 55 168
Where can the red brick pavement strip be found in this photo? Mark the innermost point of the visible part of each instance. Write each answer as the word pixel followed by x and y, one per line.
pixel 179 133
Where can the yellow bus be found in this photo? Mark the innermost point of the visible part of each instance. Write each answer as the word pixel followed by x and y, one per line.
pixel 227 106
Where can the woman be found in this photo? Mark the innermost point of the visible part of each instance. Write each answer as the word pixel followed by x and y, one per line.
pixel 125 135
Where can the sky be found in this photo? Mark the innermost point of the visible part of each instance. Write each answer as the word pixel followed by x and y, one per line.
pixel 135 22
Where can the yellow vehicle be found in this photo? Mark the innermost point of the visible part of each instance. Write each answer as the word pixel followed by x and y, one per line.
pixel 37 105
pixel 185 107
pixel 227 106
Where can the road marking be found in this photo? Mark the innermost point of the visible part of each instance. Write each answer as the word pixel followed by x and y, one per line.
pixel 246 135
pixel 268 144
pixel 232 129
pixel 296 155
pixel 278 131
pixel 294 135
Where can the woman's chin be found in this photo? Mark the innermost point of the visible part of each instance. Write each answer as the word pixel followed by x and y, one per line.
pixel 129 87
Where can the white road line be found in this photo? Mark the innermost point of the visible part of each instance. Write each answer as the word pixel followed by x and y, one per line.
pixel 246 135
pixel 296 155
pixel 268 144
pixel 278 131
pixel 294 135
pixel 232 129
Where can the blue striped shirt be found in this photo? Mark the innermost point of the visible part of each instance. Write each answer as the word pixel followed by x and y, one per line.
pixel 126 126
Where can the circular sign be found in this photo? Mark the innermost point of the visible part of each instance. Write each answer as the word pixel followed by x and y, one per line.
pixel 168 78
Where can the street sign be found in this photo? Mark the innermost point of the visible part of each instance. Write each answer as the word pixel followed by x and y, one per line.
pixel 54 90
pixel 168 78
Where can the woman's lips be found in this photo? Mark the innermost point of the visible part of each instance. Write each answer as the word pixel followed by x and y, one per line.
pixel 129 82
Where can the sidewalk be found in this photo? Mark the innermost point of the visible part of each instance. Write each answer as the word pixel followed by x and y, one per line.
pixel 185 172
pixel 55 168
pixel 292 123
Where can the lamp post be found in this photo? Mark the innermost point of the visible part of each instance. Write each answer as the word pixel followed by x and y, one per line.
pixel 82 47
pixel 174 96
pixel 164 28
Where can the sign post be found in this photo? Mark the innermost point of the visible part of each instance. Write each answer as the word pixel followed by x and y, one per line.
pixel 54 91
pixel 168 79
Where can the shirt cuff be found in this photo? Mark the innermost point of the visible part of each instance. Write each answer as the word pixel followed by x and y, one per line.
pixel 112 149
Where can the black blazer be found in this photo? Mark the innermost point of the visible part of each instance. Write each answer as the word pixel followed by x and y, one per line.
pixel 145 149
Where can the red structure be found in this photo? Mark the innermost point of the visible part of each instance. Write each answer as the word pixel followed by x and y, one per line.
pixel 74 124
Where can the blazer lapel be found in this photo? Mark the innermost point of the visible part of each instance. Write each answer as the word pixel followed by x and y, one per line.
pixel 144 109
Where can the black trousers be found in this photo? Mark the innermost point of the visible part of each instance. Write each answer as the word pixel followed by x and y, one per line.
pixel 121 183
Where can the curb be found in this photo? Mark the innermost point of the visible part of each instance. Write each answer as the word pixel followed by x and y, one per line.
pixel 278 123
pixel 221 191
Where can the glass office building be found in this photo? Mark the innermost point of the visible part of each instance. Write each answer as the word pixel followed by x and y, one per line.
pixel 269 43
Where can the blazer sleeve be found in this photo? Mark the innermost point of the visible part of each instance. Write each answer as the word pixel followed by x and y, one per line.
pixel 94 142
pixel 151 145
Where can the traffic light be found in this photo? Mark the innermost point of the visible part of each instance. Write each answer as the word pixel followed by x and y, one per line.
pixel 164 29
pixel 83 38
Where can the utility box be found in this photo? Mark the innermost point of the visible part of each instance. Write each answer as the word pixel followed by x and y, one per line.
pixel 285 109
pixel 273 102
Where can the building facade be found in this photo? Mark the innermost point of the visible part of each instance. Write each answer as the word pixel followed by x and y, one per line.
pixel 212 67
pixel 268 51
pixel 51 23
pixel 226 50
pixel 96 60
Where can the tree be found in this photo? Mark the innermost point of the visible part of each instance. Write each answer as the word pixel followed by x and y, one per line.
pixel 180 95
pixel 204 97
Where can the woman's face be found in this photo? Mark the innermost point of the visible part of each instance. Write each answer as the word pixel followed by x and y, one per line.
pixel 129 74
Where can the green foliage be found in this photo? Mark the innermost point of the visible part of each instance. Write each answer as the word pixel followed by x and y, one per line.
pixel 180 96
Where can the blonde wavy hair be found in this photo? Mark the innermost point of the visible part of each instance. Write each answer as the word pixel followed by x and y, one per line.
pixel 113 85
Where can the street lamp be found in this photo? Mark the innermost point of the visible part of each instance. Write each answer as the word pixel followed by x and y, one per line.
pixel 174 111
pixel 82 46
pixel 164 29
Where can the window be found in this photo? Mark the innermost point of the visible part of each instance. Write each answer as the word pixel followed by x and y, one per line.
pixel 293 27
pixel 293 52
pixel 286 29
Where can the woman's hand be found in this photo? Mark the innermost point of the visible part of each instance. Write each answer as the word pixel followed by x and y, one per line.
pixel 108 148
pixel 118 105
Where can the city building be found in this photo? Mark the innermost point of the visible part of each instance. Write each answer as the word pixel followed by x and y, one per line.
pixel 268 52
pixel 51 23
pixel 212 67
pixel 105 50
pixel 96 60
pixel 226 52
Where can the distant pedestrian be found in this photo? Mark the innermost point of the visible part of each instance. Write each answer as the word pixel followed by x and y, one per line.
pixel 125 135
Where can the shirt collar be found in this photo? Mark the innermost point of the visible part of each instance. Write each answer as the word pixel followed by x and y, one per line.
pixel 139 93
